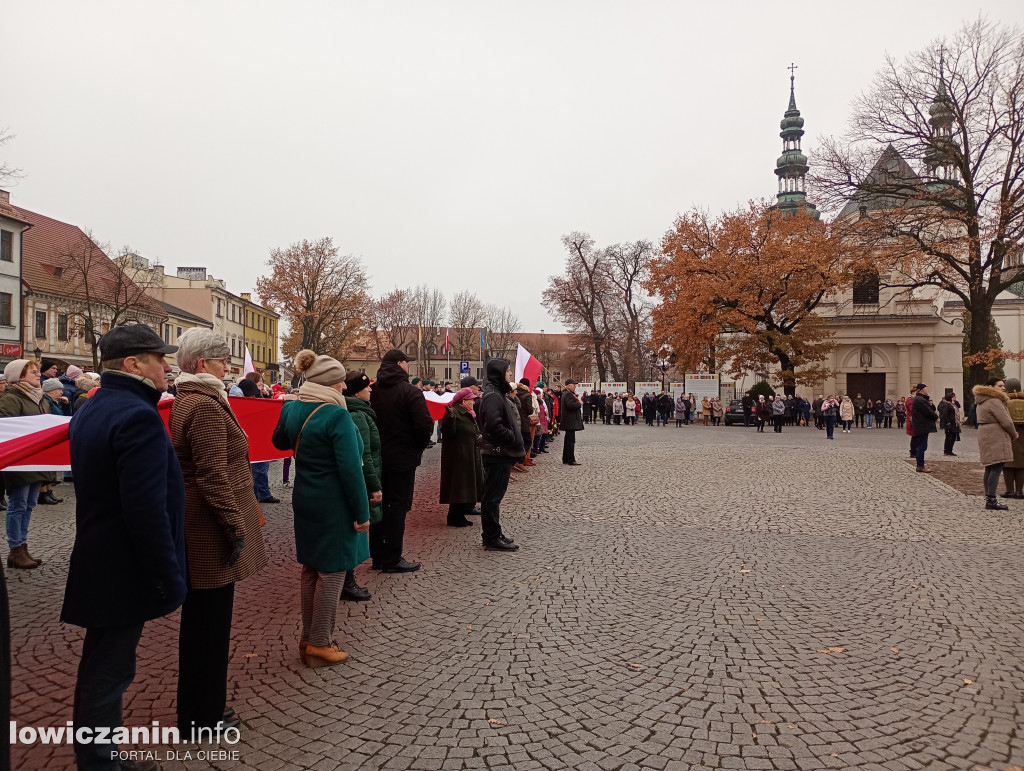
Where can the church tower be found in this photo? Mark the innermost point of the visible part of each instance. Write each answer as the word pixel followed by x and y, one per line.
pixel 938 157
pixel 791 168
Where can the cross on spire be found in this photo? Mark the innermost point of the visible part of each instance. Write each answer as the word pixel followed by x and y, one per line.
pixel 792 68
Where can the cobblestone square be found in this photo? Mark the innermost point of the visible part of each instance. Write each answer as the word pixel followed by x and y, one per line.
pixel 689 598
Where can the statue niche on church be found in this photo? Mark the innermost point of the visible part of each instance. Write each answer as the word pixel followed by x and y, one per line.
pixel 865 356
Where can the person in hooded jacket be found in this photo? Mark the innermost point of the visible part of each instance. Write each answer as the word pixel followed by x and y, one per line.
pixel 405 429
pixel 996 434
pixel 501 446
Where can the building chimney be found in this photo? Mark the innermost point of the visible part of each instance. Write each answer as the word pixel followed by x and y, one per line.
pixel 5 196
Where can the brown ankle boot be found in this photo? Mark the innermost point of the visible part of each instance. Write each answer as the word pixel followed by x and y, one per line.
pixel 19 559
pixel 326 656
pixel 34 559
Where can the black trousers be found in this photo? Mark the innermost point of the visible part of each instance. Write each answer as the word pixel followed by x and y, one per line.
pixel 387 536
pixel 106 670
pixel 951 437
pixel 496 475
pixel 204 646
pixel 569 447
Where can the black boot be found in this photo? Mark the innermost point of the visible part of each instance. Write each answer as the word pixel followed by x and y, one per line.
pixel 993 503
pixel 353 591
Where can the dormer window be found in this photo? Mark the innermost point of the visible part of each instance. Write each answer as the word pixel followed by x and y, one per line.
pixel 865 289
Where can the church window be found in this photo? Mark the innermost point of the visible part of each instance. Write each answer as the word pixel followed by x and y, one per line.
pixel 865 289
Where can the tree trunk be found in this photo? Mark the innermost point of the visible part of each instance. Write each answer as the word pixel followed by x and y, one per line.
pixel 981 316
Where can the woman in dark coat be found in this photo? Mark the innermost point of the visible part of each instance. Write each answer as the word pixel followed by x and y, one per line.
pixel 357 387
pixel 223 533
pixel 462 473
pixel 331 507
pixel 22 397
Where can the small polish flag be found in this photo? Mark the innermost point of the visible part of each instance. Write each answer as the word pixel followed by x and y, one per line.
pixel 247 367
pixel 447 341
pixel 527 366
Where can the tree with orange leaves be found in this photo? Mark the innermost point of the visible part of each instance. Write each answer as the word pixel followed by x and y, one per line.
pixel 744 288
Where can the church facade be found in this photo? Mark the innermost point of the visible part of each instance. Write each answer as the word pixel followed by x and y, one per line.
pixel 887 339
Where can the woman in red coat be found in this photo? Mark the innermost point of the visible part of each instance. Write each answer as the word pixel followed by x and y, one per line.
pixel 909 401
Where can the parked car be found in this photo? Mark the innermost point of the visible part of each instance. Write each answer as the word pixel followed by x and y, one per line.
pixel 734 413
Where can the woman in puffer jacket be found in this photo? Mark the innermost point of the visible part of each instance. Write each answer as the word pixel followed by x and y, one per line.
pixel 846 414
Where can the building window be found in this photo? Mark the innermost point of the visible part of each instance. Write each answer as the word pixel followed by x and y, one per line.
pixel 232 346
pixel 40 325
pixel 5 308
pixel 865 289
pixel 219 312
pixel 447 373
pixel 6 246
pixel 62 327
pixel 179 331
pixel 480 373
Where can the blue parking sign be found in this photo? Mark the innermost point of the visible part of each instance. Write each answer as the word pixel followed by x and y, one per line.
pixel 463 367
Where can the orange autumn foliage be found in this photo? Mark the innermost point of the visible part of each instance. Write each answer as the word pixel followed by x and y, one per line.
pixel 744 288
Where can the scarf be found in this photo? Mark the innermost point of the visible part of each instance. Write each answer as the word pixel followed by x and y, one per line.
pixel 205 379
pixel 35 393
pixel 314 392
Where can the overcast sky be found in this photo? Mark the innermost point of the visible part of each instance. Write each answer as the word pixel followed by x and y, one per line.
pixel 446 142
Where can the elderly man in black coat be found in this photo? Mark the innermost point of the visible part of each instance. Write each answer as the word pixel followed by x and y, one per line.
pixel 405 428
pixel 128 564
pixel 571 420
pixel 923 416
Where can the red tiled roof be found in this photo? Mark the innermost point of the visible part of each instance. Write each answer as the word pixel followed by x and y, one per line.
pixel 47 266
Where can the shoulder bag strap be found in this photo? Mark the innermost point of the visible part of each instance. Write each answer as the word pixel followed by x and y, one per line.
pixel 295 452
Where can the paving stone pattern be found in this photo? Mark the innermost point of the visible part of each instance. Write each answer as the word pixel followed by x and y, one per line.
pixel 689 598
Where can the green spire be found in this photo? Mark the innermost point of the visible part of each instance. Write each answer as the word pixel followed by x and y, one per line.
pixel 791 167
pixel 941 149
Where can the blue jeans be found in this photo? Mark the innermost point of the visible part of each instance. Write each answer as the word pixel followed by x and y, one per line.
pixel 867 419
pixel 920 445
pixel 20 502
pixel 261 479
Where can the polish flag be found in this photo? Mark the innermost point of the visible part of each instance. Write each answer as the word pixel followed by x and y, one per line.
pixel 447 341
pixel 247 367
pixel 527 366
pixel 437 403
pixel 40 442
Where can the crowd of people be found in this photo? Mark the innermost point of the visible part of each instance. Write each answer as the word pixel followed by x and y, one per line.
pixel 173 519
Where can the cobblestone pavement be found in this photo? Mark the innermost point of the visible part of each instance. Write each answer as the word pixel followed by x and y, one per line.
pixel 688 598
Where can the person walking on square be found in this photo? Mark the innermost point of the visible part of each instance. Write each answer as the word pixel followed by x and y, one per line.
pixel 330 502
pixel 829 409
pixel 462 472
pixel 128 563
pixel 762 412
pixel 501 446
pixel 223 532
pixel 571 422
pixel 405 429
pixel 923 416
pixel 996 434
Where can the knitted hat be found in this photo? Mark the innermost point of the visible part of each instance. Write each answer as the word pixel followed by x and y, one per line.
pixel 355 383
pixel 73 372
pixel 13 370
pixel 322 370
pixel 52 384
pixel 47 364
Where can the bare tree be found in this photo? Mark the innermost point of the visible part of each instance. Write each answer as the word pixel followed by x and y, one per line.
pixel 8 173
pixel 628 266
pixel 428 305
pixel 503 331
pixel 392 319
pixel 944 204
pixel 466 314
pixel 579 298
pixel 99 292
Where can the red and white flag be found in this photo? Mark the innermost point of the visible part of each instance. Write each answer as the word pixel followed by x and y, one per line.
pixel 437 403
pixel 527 366
pixel 247 367
pixel 447 340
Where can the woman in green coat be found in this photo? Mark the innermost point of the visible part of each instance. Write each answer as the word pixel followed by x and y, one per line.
pixel 357 386
pixel 462 473
pixel 331 508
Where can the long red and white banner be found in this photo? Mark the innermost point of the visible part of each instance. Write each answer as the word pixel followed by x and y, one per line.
pixel 40 442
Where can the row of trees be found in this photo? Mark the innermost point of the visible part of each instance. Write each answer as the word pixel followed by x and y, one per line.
pixel 926 189
pixel 324 297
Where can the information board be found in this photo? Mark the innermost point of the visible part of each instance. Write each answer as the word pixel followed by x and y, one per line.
pixel 614 388
pixel 584 387
pixel 728 391
pixel 676 388
pixel 701 385
pixel 642 388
